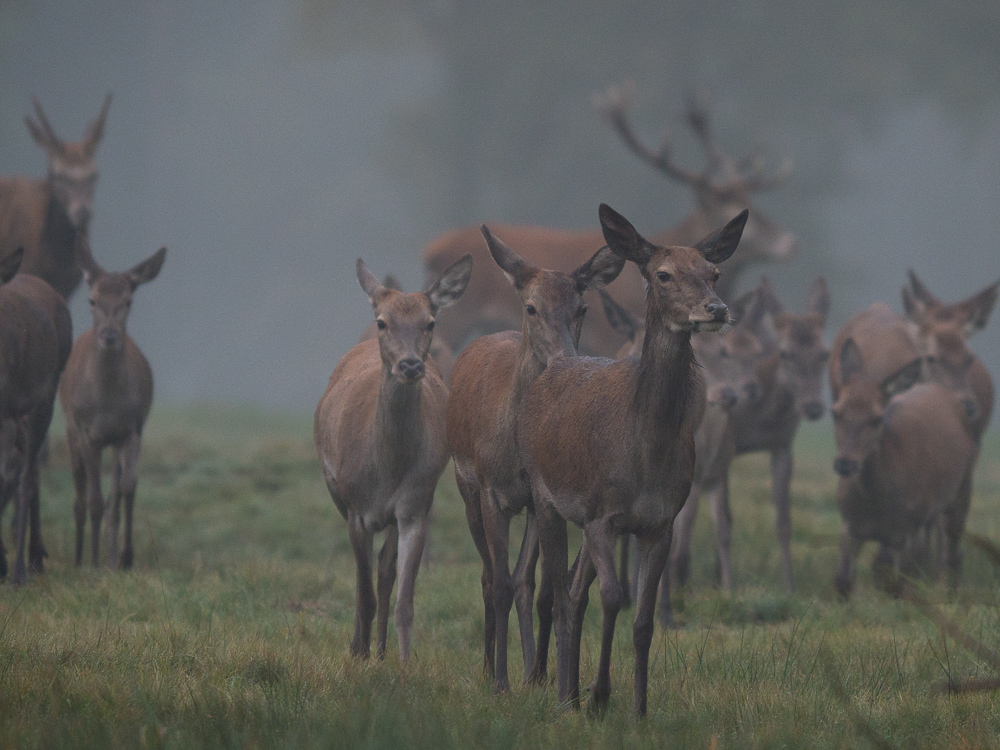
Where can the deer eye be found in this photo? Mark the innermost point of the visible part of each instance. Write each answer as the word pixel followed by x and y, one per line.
pixel 663 276
pixel 582 311
pixel 715 276
pixel 380 324
pixel 93 303
pixel 430 326
pixel 530 309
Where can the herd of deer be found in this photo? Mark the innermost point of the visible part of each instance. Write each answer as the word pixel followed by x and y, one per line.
pixel 621 444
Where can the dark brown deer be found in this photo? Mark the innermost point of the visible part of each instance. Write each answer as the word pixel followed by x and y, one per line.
pixel 491 379
pixel 943 330
pixel 46 217
pixel 609 446
pixel 721 191
pixel 380 435
pixel 36 336
pixel 903 450
pixel 106 392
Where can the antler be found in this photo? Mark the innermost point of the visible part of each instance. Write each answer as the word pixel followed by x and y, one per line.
pixel 612 104
pixel 747 175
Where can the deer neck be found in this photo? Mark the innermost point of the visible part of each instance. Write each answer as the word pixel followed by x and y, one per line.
pixel 397 427
pixel 112 372
pixel 665 383
pixel 527 368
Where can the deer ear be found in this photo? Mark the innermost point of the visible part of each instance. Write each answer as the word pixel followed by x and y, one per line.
pixel 912 306
pixel 10 265
pixel 622 237
pixel 721 244
pixel 95 131
pixel 818 301
pixel 452 283
pixel 920 291
pixel 602 268
pixel 904 378
pixel 619 318
pixel 977 309
pixel 850 360
pixel 768 299
pixel 517 270
pixel 370 284
pixel 147 270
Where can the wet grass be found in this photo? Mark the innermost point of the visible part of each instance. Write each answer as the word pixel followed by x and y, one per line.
pixel 233 628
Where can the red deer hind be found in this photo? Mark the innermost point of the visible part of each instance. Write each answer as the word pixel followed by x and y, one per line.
pixel 379 431
pixel 106 392
pixel 36 335
pixel 46 217
pixel 490 381
pixel 721 191
pixel 609 446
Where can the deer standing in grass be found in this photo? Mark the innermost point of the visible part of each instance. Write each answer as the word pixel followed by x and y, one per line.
pixel 943 330
pixel 36 335
pixel 490 381
pixel 721 191
pixel 380 434
pixel 106 392
pixel 47 216
pixel 609 446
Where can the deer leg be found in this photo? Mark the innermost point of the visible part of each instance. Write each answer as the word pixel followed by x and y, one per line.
pixel 114 507
pixel 653 553
pixel 781 481
pixel 364 611
pixel 582 575
pixel 412 535
pixel 21 510
pixel 850 545
pixel 524 593
pixel 623 574
pixel 79 470
pixel 553 543
pixel 129 482
pixel 718 501
pixel 677 572
pixel 497 527
pixel 471 494
pixel 13 466
pixel 601 548
pixel 95 500
pixel 539 671
pixel 953 519
pixel 387 558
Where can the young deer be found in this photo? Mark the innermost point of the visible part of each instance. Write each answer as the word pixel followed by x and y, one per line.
pixel 489 382
pixel 379 431
pixel 609 446
pixel 943 331
pixel 106 392
pixel 46 217
pixel 724 187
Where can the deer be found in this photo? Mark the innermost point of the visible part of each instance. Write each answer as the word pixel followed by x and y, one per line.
pixel 379 430
pixel 47 216
pixel 36 335
pixel 721 190
pixel 903 451
pixel 106 392
pixel 490 381
pixel 609 446
pixel 943 330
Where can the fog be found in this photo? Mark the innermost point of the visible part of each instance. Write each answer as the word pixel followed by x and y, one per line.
pixel 269 144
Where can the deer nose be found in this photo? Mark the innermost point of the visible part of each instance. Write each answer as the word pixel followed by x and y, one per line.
pixel 729 398
pixel 752 391
pixel 845 467
pixel 717 310
pixel 109 338
pixel 412 369
pixel 813 410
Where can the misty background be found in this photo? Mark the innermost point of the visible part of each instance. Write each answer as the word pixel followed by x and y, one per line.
pixel 269 144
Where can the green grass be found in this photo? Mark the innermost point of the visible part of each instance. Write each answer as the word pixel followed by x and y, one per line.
pixel 232 630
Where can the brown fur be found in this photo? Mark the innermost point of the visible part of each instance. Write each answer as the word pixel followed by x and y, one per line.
pixel 35 339
pixel 609 446
pixel 379 431
pixel 46 217
pixel 106 393
pixel 491 379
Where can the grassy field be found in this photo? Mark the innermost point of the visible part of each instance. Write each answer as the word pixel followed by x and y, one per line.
pixel 233 629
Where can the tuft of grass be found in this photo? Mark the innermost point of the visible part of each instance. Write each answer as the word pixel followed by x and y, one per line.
pixel 233 628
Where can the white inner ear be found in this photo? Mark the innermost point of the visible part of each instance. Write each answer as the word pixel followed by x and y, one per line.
pixel 510 277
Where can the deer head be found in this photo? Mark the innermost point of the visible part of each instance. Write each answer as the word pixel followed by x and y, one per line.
pixel 553 301
pixel 723 188
pixel 405 321
pixel 859 415
pixel 111 293
pixel 681 293
pixel 72 172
